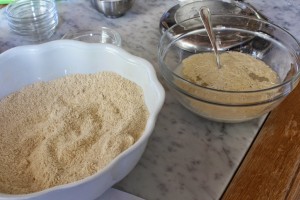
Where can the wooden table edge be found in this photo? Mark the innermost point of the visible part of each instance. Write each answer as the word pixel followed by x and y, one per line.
pixel 271 166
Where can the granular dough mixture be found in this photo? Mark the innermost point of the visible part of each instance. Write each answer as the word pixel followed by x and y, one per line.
pixel 64 130
pixel 238 72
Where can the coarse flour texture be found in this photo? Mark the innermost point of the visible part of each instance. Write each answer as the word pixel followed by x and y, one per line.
pixel 64 130
pixel 238 72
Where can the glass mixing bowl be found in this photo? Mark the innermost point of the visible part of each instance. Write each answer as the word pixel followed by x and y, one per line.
pixel 260 39
pixel 99 35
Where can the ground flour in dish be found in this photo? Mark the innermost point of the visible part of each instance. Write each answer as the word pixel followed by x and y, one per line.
pixel 67 129
pixel 238 72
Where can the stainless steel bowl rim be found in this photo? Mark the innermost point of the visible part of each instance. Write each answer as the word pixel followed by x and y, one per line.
pixel 113 8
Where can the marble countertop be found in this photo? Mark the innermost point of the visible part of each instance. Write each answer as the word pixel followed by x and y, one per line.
pixel 187 157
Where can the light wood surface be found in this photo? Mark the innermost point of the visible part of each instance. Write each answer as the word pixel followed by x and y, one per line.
pixel 271 168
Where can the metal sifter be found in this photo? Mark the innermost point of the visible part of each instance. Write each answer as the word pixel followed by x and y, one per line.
pixel 190 9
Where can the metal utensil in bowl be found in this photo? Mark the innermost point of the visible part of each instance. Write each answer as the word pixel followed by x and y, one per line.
pixel 190 9
pixel 113 8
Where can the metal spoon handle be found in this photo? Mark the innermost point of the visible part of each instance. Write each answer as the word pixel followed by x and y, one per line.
pixel 205 17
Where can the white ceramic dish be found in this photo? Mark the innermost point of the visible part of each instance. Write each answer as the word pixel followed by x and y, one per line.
pixel 25 65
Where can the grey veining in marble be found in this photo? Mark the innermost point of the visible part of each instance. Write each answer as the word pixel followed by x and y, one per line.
pixel 187 157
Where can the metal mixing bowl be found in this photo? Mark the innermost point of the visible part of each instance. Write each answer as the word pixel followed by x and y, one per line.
pixel 113 8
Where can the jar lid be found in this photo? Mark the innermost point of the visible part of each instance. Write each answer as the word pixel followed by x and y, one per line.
pixel 190 9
